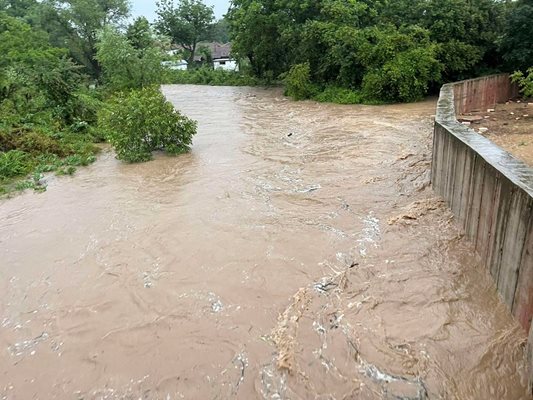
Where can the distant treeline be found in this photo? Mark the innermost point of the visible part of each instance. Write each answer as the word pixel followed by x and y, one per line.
pixel 390 50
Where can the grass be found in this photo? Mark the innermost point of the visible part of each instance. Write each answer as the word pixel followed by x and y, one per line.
pixel 27 153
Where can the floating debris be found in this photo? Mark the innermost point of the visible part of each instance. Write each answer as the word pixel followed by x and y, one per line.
pixel 324 287
pixel 216 304
pixel 310 189
pixel 20 348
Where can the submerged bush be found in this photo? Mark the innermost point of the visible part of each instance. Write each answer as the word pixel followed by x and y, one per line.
pixel 298 82
pixel 141 121
pixel 334 94
pixel 210 76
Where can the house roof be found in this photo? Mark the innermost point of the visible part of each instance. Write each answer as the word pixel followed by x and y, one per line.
pixel 218 50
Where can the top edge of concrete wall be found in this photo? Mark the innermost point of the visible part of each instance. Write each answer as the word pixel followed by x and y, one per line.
pixel 515 170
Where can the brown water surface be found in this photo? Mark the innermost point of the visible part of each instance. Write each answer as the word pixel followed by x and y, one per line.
pixel 296 253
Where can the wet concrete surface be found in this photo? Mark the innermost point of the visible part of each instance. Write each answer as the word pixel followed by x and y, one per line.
pixel 296 253
pixel 510 126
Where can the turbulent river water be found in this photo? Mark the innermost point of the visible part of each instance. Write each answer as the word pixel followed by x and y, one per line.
pixel 296 253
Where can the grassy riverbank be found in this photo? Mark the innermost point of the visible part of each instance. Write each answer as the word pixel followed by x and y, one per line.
pixel 28 153
pixel 214 77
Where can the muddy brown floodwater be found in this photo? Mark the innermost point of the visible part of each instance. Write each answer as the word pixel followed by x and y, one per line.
pixel 296 253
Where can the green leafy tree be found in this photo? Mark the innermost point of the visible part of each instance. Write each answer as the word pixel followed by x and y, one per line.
pixel 44 110
pixel 37 79
pixel 355 43
pixel 256 29
pixel 467 31
pixel 219 31
pixel 404 78
pixel 17 8
pixel 517 41
pixel 141 121
pixel 205 56
pixel 298 82
pixel 185 23
pixel 76 23
pixel 140 34
pixel 26 57
pixel 128 64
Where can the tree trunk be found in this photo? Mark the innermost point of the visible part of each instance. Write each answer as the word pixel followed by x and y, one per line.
pixel 190 61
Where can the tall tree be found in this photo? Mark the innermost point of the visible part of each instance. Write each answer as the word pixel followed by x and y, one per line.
pixel 220 31
pixel 185 23
pixel 78 22
pixel 34 76
pixel 139 33
pixel 465 30
pixel 17 8
pixel 517 42
pixel 127 63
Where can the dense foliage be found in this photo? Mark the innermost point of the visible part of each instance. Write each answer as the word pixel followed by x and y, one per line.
pixel 517 41
pixel 384 50
pixel 46 110
pixel 298 83
pixel 61 63
pixel 525 82
pixel 186 23
pixel 219 31
pixel 141 121
pixel 71 24
pixel 132 61
pixel 213 77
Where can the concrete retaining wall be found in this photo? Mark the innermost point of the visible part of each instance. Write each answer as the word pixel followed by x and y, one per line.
pixel 482 93
pixel 489 191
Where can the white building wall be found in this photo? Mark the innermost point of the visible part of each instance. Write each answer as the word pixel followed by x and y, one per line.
pixel 227 65
pixel 175 65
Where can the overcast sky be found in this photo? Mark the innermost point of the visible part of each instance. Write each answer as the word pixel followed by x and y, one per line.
pixel 147 7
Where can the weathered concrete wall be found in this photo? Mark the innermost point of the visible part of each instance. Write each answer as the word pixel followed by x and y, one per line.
pixel 489 191
pixel 482 93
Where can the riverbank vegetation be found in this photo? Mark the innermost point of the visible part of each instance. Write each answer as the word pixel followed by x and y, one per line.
pixel 142 121
pixel 73 71
pixel 379 50
pixel 214 77
pixel 525 82
pixel 47 113
pixel 71 77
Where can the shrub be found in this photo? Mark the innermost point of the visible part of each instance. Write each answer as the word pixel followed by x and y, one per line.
pixel 525 82
pixel 404 78
pixel 334 94
pixel 210 76
pixel 298 82
pixel 35 142
pixel 14 163
pixel 141 121
pixel 127 67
